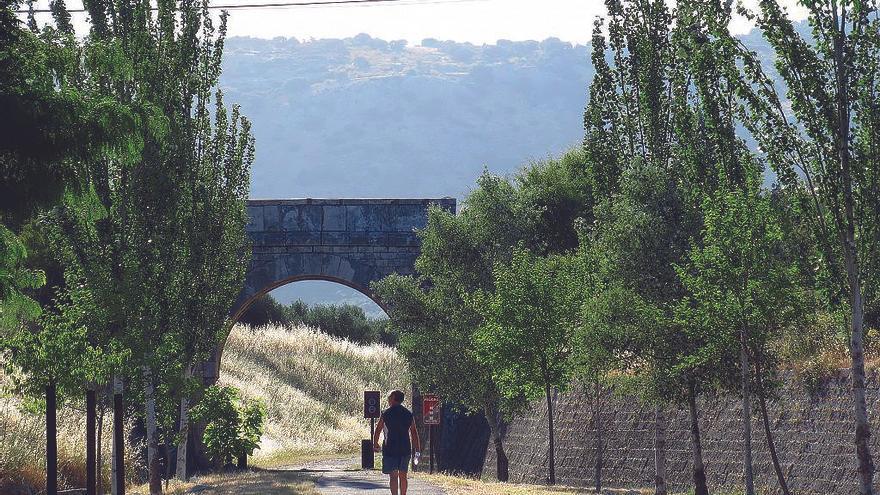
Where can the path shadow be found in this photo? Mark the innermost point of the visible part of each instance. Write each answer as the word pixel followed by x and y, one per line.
pixel 352 484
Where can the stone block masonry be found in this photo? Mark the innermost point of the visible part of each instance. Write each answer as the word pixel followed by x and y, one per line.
pixel 814 438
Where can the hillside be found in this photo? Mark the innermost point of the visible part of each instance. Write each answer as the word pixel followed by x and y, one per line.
pixel 366 117
pixel 312 385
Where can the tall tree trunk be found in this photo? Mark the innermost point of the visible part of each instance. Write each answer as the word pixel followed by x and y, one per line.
pixel 99 465
pixel 167 465
pixel 551 455
pixel 182 445
pixel 497 431
pixel 863 427
pixel 851 260
pixel 748 472
pixel 659 451
pixel 51 440
pixel 700 486
pixel 597 417
pixel 118 468
pixel 768 432
pixel 153 465
pixel 91 434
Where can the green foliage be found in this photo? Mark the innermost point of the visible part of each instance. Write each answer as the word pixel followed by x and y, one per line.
pixel 823 140
pixel 811 147
pixel 60 349
pixel 537 209
pixel 140 171
pixel 15 306
pixel 233 425
pixel 660 133
pixel 639 236
pixel 429 333
pixel 265 311
pixel 345 320
pixel 741 291
pixel 528 323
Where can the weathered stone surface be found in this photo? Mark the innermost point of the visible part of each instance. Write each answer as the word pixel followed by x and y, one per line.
pixel 813 434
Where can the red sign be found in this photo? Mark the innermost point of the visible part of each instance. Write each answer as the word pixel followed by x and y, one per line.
pixel 372 405
pixel 431 411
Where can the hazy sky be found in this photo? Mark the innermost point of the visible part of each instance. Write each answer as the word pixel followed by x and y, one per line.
pixel 476 21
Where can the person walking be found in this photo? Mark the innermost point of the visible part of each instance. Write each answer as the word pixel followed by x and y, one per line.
pixel 398 426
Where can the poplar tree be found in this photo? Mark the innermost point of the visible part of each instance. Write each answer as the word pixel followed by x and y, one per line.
pixel 165 239
pixel 660 125
pixel 822 137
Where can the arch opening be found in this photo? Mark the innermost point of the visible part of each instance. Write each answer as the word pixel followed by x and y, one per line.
pixel 236 316
pixel 247 303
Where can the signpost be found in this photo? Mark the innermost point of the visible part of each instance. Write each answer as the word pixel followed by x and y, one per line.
pixel 431 415
pixel 372 410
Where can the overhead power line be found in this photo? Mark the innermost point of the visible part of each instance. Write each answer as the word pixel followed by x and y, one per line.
pixel 263 5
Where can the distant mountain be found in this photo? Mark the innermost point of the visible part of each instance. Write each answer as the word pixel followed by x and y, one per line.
pixel 363 117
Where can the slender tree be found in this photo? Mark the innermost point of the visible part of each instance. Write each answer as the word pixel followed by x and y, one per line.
pixel 827 144
pixel 663 113
pixel 528 324
pixel 744 293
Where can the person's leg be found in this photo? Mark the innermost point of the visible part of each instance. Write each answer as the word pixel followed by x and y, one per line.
pixel 403 482
pixel 394 482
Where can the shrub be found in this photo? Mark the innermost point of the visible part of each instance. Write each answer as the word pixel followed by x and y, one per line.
pixel 265 311
pixel 234 425
pixel 815 350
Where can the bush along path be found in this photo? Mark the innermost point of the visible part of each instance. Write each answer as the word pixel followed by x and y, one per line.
pixel 343 477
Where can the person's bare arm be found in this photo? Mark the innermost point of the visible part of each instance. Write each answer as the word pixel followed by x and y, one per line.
pixel 379 427
pixel 414 434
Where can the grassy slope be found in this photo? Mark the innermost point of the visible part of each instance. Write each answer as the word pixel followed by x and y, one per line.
pixel 23 453
pixel 313 387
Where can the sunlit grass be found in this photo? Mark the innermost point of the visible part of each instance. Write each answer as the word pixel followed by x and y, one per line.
pixel 312 385
pixel 252 482
pixel 23 452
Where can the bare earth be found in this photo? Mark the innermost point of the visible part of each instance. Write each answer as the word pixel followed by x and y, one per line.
pixel 341 477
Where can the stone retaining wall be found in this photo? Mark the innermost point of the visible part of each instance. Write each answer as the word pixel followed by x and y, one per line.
pixel 814 439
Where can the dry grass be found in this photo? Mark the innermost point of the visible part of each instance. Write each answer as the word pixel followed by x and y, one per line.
pixel 23 452
pixel 468 486
pixel 313 387
pixel 254 482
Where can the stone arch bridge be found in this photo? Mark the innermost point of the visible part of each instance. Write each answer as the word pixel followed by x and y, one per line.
pixel 349 241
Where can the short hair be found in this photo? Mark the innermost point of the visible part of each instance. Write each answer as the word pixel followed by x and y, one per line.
pixel 397 395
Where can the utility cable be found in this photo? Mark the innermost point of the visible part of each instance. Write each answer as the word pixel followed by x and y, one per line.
pixel 283 5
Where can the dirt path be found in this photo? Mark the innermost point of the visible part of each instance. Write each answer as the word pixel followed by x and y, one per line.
pixel 340 477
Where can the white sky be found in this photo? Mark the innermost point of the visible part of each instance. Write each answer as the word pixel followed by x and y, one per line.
pixel 476 21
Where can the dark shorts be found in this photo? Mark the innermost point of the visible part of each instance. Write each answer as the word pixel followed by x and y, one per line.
pixel 391 463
